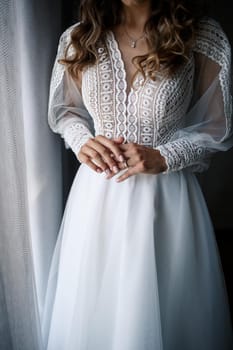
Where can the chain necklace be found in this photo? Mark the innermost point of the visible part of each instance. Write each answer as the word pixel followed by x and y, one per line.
pixel 132 41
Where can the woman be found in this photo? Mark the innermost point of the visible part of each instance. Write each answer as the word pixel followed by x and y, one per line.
pixel 140 92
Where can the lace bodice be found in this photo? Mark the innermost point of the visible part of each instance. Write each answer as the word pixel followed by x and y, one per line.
pixel 150 113
pixel 186 117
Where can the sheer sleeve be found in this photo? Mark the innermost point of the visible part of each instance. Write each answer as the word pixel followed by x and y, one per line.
pixel 67 114
pixel 208 121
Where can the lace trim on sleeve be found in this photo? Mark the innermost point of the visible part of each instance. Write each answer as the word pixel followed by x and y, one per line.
pixel 212 42
pixel 182 153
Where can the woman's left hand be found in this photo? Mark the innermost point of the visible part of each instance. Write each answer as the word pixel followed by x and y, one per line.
pixel 141 159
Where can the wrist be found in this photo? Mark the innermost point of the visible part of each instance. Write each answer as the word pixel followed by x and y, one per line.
pixel 163 167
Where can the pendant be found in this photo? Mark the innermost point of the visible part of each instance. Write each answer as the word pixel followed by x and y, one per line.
pixel 133 43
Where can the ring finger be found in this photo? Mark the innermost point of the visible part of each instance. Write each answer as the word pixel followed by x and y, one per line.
pixel 127 163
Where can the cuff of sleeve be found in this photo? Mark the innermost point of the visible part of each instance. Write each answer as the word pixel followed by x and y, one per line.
pixel 76 136
pixel 164 151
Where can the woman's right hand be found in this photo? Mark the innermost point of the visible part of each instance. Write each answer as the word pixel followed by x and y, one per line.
pixel 102 154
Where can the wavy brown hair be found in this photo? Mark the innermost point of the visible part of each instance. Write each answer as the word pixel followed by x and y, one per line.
pixel 170 34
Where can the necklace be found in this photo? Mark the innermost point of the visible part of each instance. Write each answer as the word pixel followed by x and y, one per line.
pixel 132 41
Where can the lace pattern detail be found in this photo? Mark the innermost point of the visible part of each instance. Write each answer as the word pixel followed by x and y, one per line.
pixel 179 154
pixel 153 111
pixel 212 42
pixel 120 87
pixel 71 139
pixel 174 95
pixel 104 93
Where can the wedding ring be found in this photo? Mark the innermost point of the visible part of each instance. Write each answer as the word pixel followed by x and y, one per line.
pixel 126 164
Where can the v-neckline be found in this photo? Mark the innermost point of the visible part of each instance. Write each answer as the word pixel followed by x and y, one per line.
pixel 129 88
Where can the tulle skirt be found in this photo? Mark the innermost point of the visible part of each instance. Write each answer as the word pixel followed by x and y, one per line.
pixel 136 267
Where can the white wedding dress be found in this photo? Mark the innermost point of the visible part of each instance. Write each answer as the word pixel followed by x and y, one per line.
pixel 136 265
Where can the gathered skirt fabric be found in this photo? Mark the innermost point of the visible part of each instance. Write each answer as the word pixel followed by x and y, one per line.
pixel 136 267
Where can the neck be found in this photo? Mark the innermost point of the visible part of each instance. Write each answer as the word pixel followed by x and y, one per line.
pixel 136 16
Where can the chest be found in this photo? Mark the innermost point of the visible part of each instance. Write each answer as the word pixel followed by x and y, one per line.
pixel 122 108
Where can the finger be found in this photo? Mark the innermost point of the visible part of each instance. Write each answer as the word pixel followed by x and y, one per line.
pixel 95 156
pixel 110 176
pixel 124 146
pixel 97 152
pixel 85 160
pixel 93 166
pixel 126 164
pixel 132 154
pixel 101 155
pixel 129 151
pixel 119 139
pixel 111 145
pixel 122 166
pixel 130 172
pixel 105 156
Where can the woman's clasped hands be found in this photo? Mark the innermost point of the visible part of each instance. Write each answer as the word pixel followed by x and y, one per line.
pixel 113 155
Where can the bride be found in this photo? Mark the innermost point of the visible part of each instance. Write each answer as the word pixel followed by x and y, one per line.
pixel 140 92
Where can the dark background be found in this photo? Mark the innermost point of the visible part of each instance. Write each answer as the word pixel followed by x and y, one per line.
pixel 216 183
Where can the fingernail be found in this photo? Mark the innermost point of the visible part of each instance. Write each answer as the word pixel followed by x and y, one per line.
pixel 107 171
pixel 99 171
pixel 121 158
pixel 115 169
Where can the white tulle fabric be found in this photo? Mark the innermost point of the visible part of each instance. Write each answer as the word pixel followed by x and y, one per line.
pixel 136 265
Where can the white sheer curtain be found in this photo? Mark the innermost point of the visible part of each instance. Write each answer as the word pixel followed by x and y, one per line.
pixel 30 167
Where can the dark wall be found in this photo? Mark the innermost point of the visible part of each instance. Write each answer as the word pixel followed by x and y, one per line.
pixel 217 182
